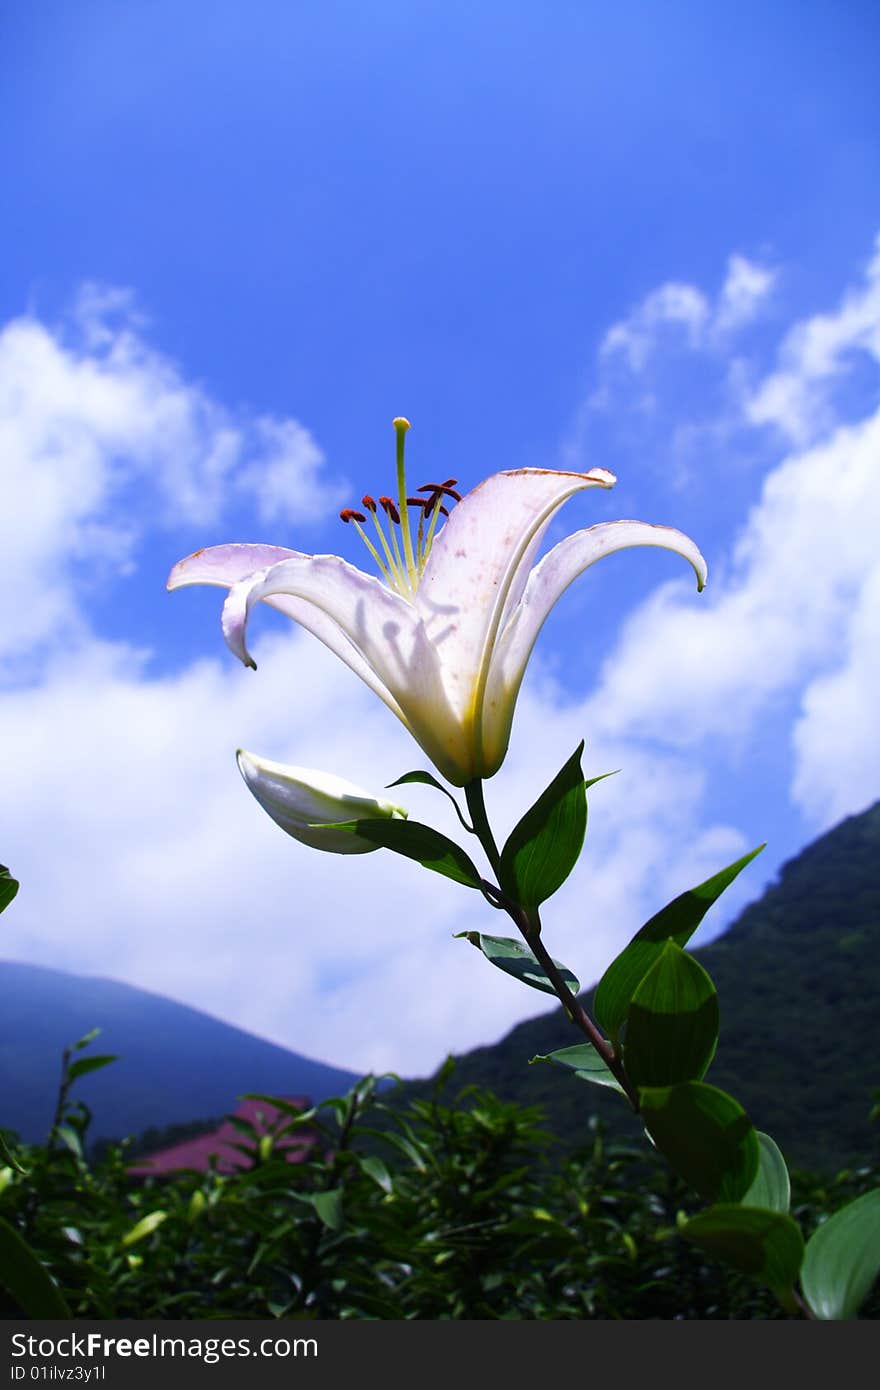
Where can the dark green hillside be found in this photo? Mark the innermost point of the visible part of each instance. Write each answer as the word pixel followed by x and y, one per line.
pixel 176 1064
pixel 798 978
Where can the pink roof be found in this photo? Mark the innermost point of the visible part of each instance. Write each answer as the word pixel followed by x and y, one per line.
pixel 220 1146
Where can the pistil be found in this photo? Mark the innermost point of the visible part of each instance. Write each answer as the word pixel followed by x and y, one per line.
pixel 403 568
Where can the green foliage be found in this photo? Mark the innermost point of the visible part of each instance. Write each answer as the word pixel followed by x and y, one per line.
pixel 771 1188
pixel 785 982
pixel 543 848
pixel 515 959
pixel 706 1135
pixel 585 1062
pixel 842 1259
pixel 672 1023
pixel 767 1245
pixel 8 887
pixel 431 1210
pixel 677 922
pixel 420 842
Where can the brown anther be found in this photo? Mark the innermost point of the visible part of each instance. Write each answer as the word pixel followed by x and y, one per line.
pixel 428 503
pixel 368 502
pixel 442 488
pixel 390 508
pixel 349 514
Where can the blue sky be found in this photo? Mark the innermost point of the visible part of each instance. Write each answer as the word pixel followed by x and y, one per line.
pixel 238 241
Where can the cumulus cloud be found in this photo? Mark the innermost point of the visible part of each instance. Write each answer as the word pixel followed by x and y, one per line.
pixel 684 310
pixel 89 413
pixel 798 398
pixel 790 631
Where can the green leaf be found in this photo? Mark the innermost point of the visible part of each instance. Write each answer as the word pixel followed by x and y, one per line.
pixel 376 1169
pixel 328 1205
pixel 517 960
pixel 678 921
pixel 842 1259
pixel 145 1227
pixel 87 1064
pixel 585 1062
pixel 427 779
pixel 672 1024
pixel 766 1244
pixel 420 842
pixel 543 848
pixel 706 1135
pixel 8 887
pixel 8 1157
pixel 26 1279
pixel 771 1188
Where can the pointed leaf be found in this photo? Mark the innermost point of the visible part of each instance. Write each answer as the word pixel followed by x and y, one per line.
pixel 771 1188
pixel 543 848
pixel 517 960
pixel 87 1064
pixel 842 1259
pixel 26 1279
pixel 8 887
pixel 706 1135
pixel 328 1205
pixel 672 1024
pixel 376 1169
pixel 585 1062
pixel 420 842
pixel 145 1227
pixel 766 1244
pixel 678 921
pixel 427 779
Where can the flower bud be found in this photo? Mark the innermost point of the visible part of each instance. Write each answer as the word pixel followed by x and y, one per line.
pixel 303 801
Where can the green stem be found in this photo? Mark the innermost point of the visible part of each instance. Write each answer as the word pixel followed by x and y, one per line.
pixel 530 927
pixel 476 803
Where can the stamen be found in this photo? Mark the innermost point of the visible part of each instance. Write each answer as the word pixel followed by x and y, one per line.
pixel 368 502
pixel 388 506
pixel 390 509
pixel 349 514
pixel 443 488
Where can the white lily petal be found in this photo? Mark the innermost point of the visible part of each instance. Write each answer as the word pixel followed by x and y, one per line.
pixel 478 565
pixel 382 629
pixel 227 565
pixel 300 799
pixel 547 582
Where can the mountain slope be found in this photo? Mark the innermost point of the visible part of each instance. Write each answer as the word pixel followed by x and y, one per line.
pixel 798 979
pixel 175 1065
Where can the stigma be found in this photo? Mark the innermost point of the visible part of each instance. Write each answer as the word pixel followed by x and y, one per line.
pixel 400 555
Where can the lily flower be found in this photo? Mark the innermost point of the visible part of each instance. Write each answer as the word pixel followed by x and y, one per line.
pixel 303 802
pixel 444 636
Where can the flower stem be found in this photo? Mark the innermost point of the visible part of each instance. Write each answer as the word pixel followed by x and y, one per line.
pixel 529 925
pixel 476 803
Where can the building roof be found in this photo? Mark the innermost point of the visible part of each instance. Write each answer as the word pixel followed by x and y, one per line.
pixel 222 1148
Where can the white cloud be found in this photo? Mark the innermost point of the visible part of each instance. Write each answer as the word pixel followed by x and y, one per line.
pixel 798 398
pixel 672 304
pixel 685 310
pixel 790 619
pixel 90 411
pixel 743 293
pixel 836 737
